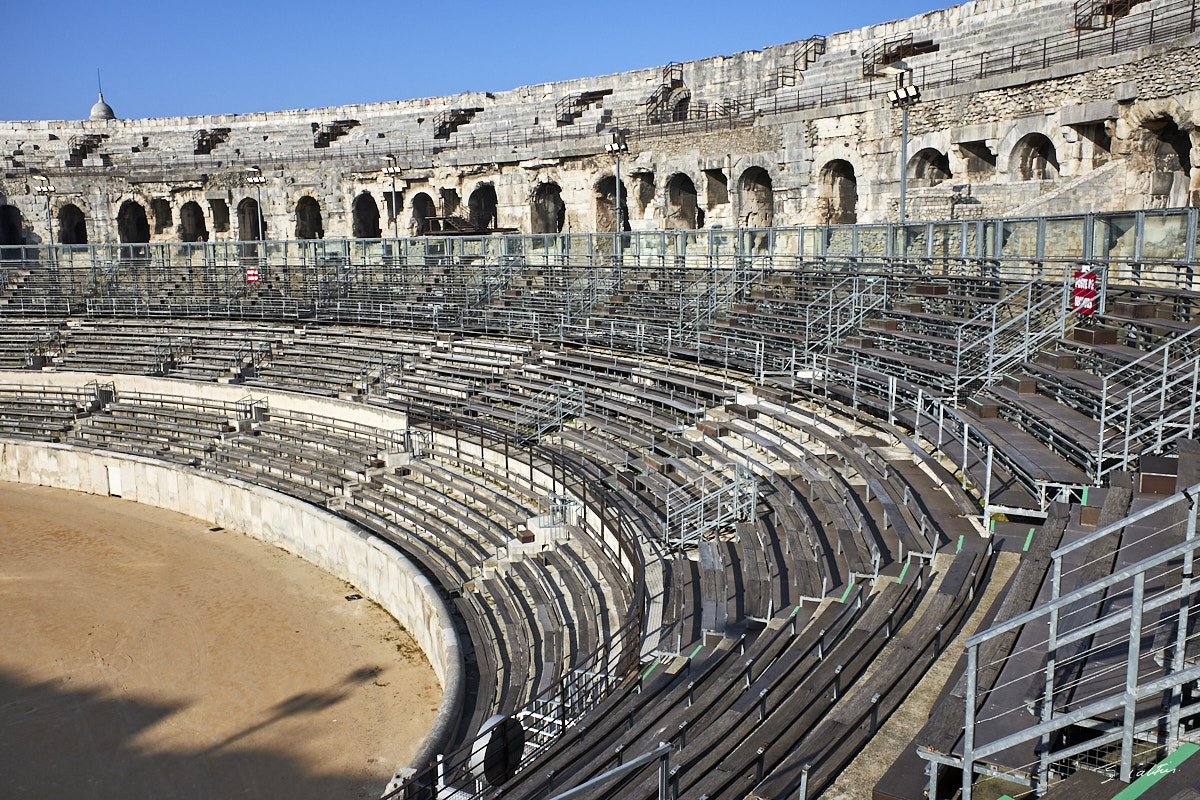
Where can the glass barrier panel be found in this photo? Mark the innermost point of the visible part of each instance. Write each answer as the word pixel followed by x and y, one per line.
pixel 947 240
pixel 840 241
pixel 1114 237
pixel 872 240
pixel 1019 239
pixel 1164 237
pixel 1064 239
pixel 810 241
pixel 787 242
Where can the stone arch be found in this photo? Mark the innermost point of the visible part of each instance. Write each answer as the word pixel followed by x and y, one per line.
pixel 423 210
pixel 1163 153
pixel 132 225
pixel 679 104
pixel 606 205
pixel 757 199
pixel 72 225
pixel 192 227
pixel 251 226
pixel 163 219
pixel 1162 147
pixel 1034 158
pixel 365 215
pixel 839 193
pixel 683 208
pixel 308 219
pixel 481 206
pixel 1171 146
pixel 548 212
pixel 11 224
pixel 930 166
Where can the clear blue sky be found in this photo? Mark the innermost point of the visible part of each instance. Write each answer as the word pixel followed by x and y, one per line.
pixel 160 58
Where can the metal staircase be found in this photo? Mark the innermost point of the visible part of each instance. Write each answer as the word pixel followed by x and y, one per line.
pixel 711 502
pixel 842 310
pixel 1002 336
pixel 570 108
pixel 547 411
pixel 1149 403
pixel 656 106
pixel 803 57
pixel 1134 649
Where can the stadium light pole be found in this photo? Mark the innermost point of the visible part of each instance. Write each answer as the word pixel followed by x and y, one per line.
pixel 46 188
pixel 393 170
pixel 616 147
pixel 902 97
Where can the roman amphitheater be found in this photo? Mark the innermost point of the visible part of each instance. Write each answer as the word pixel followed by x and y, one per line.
pixel 817 421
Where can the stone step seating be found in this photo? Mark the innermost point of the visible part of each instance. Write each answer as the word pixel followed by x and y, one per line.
pixel 316 366
pixel 789 695
pixel 838 737
pixel 26 344
pixel 43 413
pixel 1066 431
pixel 117 348
pixel 943 730
pixel 856 550
pixel 890 496
pixel 588 556
pixel 323 457
pixel 1020 460
pixel 756 702
pixel 186 430
pixel 674 689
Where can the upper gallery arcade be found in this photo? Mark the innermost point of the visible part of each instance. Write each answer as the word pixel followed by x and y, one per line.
pixel 1025 107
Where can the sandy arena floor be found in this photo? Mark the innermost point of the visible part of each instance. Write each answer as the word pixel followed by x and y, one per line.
pixel 144 656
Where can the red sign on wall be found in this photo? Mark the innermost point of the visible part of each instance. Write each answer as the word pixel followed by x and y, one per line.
pixel 1084 297
pixel 251 274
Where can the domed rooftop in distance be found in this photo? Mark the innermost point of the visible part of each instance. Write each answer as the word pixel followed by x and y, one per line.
pixel 102 110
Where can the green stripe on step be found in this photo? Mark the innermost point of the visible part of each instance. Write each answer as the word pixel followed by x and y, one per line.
pixel 1159 771
pixel 1028 540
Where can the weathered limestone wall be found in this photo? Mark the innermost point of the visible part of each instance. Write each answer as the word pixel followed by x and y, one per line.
pixel 1048 133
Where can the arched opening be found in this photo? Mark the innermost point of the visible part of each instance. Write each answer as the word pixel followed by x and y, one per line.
pixel 162 215
pixel 308 219
pixel 72 225
pixel 1171 147
pixel 681 103
pixel 683 211
pixel 929 167
pixel 365 217
pixel 132 226
pixel 251 226
pixel 1034 159
pixel 548 212
pixel 606 205
pixel 482 207
pixel 757 199
pixel 839 193
pixel 192 227
pixel 10 225
pixel 420 223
